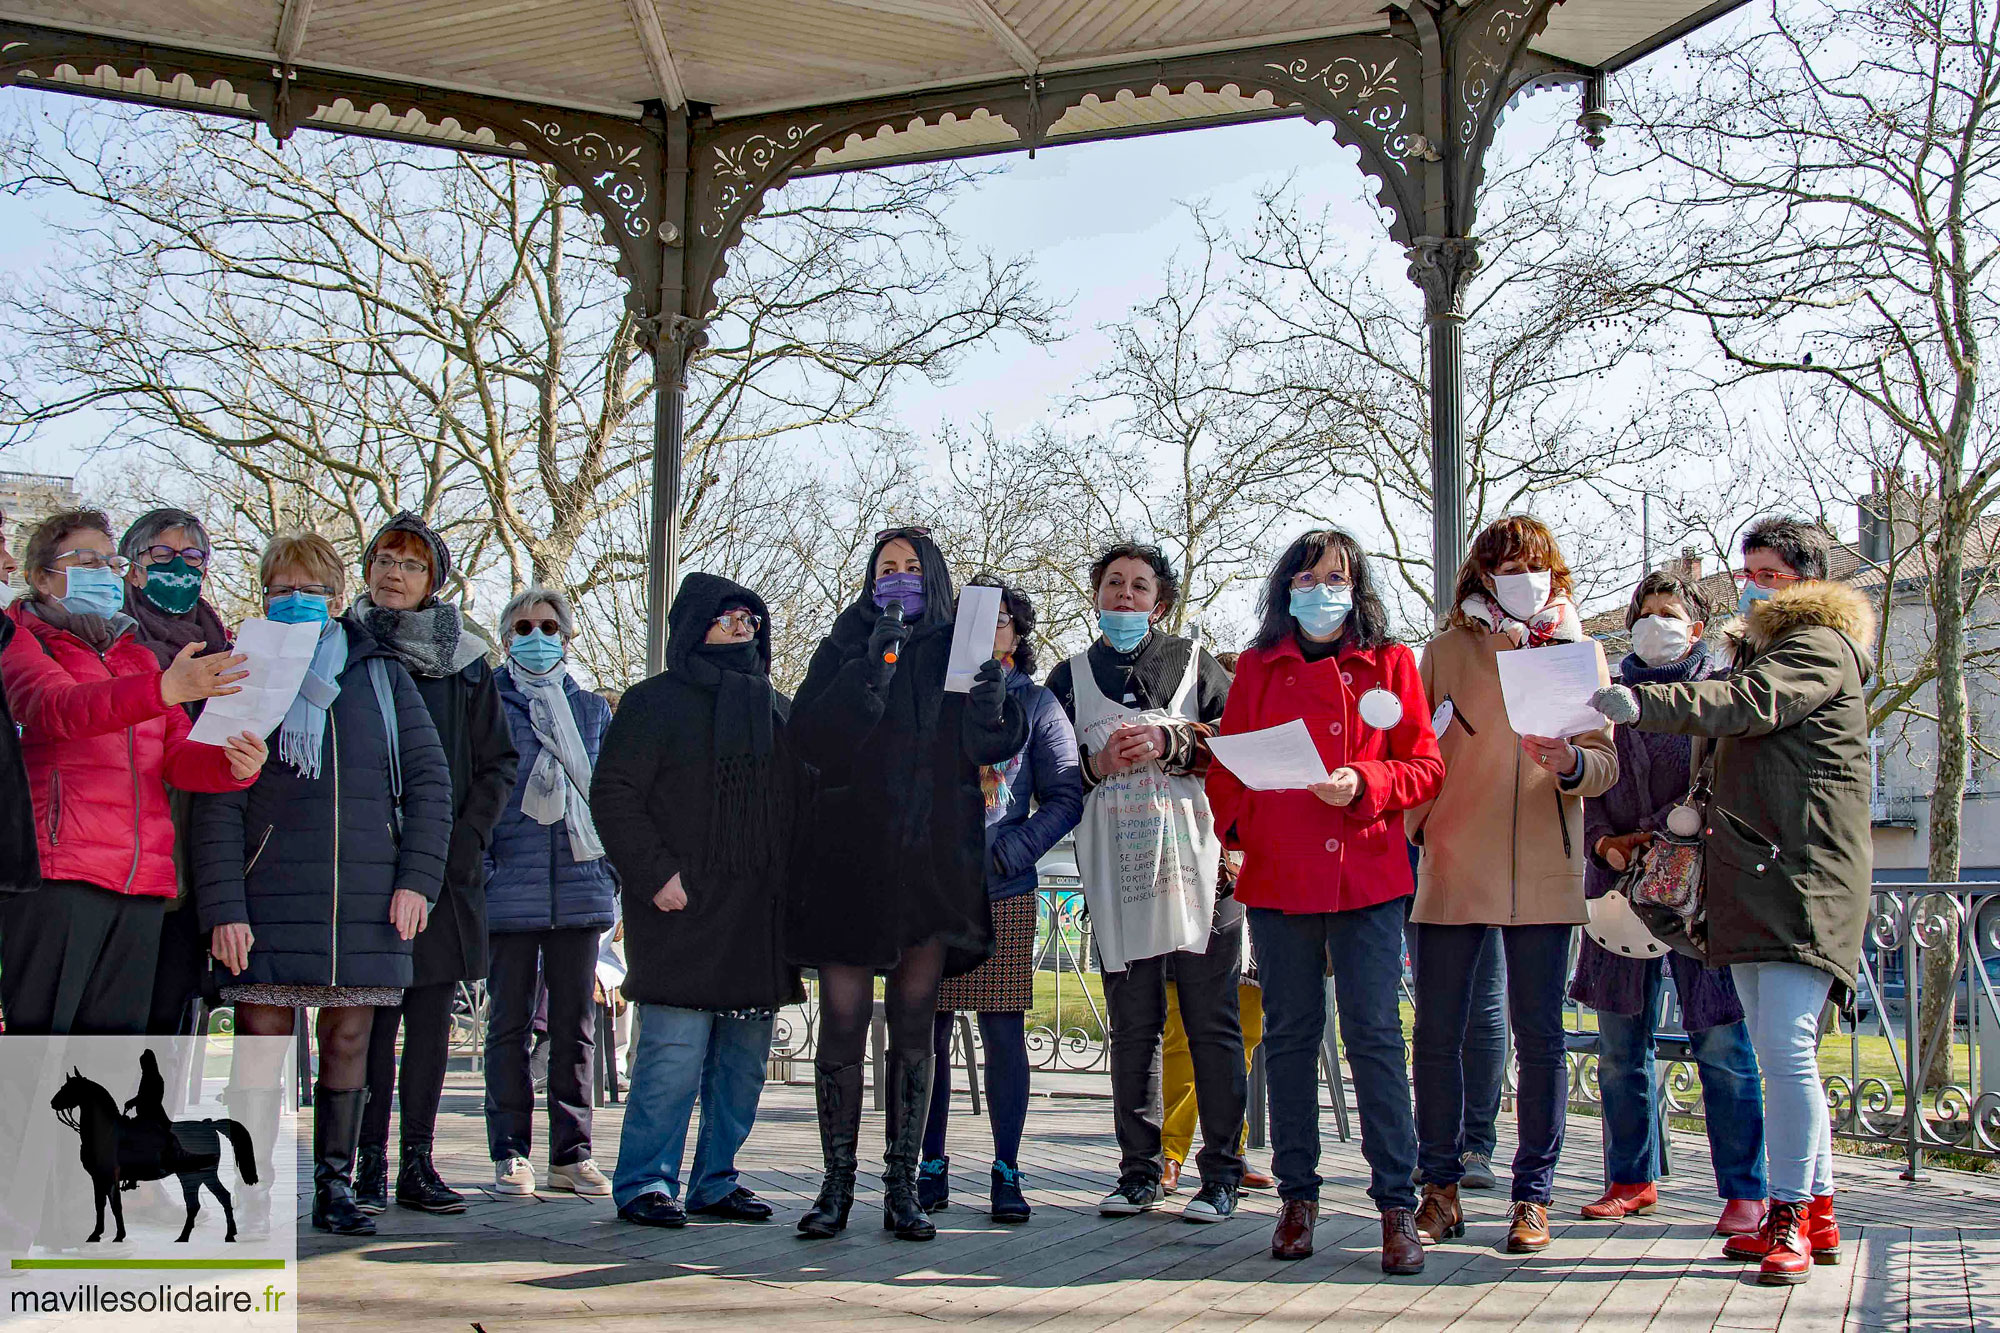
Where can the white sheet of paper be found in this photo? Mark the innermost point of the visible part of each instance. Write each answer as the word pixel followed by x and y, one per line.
pixel 972 636
pixel 1547 690
pixel 1280 758
pixel 278 657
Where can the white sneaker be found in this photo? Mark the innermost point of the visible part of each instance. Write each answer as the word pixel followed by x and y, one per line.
pixel 513 1175
pixel 579 1178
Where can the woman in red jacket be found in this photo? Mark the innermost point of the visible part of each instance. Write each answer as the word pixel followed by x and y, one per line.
pixel 1325 871
pixel 103 735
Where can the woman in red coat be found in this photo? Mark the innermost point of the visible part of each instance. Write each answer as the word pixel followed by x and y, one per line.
pixel 103 735
pixel 1325 871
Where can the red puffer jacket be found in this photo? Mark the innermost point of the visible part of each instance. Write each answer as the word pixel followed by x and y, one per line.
pixel 1299 853
pixel 101 748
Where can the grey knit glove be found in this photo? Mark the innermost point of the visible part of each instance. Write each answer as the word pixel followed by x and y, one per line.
pixel 1617 703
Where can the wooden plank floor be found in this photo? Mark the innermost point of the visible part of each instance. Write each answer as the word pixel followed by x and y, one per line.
pixel 1921 1256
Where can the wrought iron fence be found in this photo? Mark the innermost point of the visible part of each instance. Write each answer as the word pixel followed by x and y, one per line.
pixel 1875 1058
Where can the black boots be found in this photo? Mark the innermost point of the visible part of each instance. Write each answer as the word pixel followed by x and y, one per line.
pixel 837 1091
pixel 371 1178
pixel 419 1186
pixel 909 1107
pixel 336 1131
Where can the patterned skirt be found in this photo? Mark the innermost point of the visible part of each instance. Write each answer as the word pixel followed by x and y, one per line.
pixel 314 997
pixel 1004 983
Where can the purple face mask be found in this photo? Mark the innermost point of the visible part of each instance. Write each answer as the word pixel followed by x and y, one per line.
pixel 906 589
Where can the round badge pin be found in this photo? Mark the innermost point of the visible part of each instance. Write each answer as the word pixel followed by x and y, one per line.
pixel 1381 709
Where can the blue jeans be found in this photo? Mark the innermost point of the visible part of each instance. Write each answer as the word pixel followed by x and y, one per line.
pixel 1537 976
pixel 684 1054
pixel 1781 1004
pixel 1483 1057
pixel 1629 1077
pixel 1366 946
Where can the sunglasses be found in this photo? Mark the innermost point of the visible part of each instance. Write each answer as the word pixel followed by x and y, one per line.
pixel 549 627
pixel 887 533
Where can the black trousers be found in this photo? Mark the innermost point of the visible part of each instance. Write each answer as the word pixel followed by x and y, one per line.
pixel 425 1017
pixel 78 959
pixel 567 959
pixel 1137 1003
pixel 179 976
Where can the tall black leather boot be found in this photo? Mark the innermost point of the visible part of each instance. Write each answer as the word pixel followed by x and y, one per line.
pixel 336 1137
pixel 837 1091
pixel 909 1107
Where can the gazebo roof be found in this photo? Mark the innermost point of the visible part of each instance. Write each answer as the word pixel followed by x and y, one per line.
pixel 743 57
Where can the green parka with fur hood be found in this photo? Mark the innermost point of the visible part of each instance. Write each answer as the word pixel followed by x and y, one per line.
pixel 1789 851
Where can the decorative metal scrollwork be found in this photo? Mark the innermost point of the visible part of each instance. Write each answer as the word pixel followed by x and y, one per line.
pixel 1486 63
pixel 744 166
pixel 1373 92
pixel 620 176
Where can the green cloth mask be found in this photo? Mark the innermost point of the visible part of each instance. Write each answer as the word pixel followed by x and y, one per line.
pixel 174 587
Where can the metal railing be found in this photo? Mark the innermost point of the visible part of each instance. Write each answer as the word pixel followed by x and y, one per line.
pixel 1918 936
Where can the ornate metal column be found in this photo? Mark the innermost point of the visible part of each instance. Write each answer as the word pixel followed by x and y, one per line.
pixel 675 336
pixel 1441 267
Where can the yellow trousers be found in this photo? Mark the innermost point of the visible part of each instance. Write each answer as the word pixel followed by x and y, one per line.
pixel 1177 1068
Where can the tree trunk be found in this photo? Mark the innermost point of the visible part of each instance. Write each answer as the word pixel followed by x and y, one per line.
pixel 1954 741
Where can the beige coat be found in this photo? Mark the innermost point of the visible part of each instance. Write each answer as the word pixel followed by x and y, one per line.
pixel 1503 842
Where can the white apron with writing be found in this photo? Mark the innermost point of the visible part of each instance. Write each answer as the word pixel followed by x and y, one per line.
pixel 1147 849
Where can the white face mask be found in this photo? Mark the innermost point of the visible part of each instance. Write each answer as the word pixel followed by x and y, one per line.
pixel 1660 639
pixel 1523 596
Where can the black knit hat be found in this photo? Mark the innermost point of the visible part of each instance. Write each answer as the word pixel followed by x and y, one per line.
pixel 411 523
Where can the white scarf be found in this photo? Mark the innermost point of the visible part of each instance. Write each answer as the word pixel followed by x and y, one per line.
pixel 559 782
pixel 1555 623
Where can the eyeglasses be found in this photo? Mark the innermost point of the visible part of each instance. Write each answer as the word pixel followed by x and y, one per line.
pixel 1764 578
pixel 80 559
pixel 549 627
pixel 748 620
pixel 1004 621
pixel 1305 578
pixel 886 533
pixel 386 562
pixel 275 591
pixel 160 555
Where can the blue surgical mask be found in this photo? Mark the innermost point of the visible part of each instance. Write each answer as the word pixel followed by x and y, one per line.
pixel 535 652
pixel 297 608
pixel 1124 630
pixel 1750 596
pixel 93 592
pixel 1321 610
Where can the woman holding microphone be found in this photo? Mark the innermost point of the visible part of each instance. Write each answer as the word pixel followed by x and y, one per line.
pixel 896 884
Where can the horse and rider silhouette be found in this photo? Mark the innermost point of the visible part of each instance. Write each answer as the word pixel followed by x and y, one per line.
pixel 118 1150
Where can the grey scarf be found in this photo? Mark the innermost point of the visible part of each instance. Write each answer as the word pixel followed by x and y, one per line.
pixel 559 782
pixel 431 641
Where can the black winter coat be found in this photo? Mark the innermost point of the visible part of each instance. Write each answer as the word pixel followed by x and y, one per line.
pixel 652 800
pixel 310 863
pixel 479 747
pixel 20 863
pixel 898 853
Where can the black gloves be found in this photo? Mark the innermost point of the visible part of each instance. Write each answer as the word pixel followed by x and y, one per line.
pixel 885 642
pixel 988 696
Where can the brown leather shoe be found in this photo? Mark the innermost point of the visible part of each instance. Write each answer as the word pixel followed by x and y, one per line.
pixel 1294 1237
pixel 1439 1218
pixel 1530 1231
pixel 1402 1247
pixel 1170 1176
pixel 1254 1179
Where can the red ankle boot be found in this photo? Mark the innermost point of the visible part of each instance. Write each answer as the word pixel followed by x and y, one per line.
pixel 1741 1217
pixel 1755 1245
pixel 1822 1231
pixel 1622 1201
pixel 1788 1261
